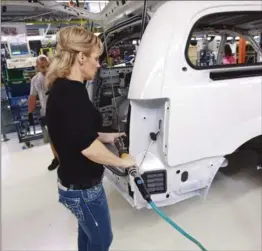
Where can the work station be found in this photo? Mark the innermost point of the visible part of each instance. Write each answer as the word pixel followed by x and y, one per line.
pixel 131 125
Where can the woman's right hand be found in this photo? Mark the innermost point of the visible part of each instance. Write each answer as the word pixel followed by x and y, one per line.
pixel 127 162
pixel 97 152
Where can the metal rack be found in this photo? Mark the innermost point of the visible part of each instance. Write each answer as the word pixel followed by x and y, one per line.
pixel 17 88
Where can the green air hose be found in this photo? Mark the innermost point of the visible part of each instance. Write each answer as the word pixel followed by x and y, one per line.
pixel 145 194
pixel 174 225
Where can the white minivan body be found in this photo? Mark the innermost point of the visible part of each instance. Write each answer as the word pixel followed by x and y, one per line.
pixel 202 118
pixel 201 113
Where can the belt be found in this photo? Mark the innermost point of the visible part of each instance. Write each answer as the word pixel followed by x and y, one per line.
pixel 81 186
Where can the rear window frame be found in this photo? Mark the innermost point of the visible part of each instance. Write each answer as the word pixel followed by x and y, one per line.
pixel 215 66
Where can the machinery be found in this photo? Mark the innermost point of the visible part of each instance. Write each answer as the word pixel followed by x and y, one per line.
pixel 182 115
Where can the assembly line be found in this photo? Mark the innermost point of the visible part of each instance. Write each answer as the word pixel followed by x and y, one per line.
pixel 153 102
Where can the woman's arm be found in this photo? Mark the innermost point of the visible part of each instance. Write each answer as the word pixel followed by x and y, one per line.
pixel 109 137
pixel 98 153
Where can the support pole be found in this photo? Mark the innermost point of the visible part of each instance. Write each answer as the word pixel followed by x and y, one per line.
pixel 242 51
pixel 47 29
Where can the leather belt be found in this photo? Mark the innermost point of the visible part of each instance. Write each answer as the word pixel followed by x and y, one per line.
pixel 80 186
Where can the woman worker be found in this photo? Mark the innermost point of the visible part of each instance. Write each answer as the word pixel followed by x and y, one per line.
pixel 73 124
pixel 228 57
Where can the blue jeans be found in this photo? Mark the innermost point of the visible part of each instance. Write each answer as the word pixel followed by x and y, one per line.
pixel 91 210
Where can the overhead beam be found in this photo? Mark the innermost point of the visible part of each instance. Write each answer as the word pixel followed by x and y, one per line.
pixel 113 11
pixel 57 22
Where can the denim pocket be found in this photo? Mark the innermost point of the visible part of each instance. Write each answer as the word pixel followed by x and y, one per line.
pixel 96 203
pixel 92 194
pixel 73 204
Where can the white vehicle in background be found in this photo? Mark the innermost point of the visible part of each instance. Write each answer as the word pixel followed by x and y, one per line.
pixel 183 110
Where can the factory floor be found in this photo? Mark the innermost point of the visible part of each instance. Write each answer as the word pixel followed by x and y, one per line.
pixel 32 219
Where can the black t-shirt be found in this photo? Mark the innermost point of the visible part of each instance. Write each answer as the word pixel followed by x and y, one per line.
pixel 73 124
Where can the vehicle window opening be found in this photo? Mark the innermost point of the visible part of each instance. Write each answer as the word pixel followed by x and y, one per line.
pixel 219 41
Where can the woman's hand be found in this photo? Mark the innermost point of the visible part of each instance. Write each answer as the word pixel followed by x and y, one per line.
pixel 127 162
pixel 110 137
pixel 115 136
pixel 97 152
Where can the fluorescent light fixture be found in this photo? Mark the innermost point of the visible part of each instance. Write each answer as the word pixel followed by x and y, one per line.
pixel 33 38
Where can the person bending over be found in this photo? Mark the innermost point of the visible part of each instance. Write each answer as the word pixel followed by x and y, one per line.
pixel 74 126
pixel 39 89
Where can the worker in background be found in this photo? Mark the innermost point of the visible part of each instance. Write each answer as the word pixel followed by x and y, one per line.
pixel 74 126
pixel 127 58
pixel 207 57
pixel 228 55
pixel 39 89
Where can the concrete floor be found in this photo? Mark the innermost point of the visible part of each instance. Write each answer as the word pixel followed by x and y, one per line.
pixel 32 219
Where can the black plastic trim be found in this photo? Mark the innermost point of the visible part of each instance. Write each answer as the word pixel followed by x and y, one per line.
pixel 184 176
pixel 131 194
pixel 144 177
pixel 233 74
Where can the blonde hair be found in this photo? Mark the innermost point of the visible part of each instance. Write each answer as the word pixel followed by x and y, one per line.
pixel 70 41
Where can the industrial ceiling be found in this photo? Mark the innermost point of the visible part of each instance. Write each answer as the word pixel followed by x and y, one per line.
pixel 37 14
pixel 36 18
pixel 22 10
